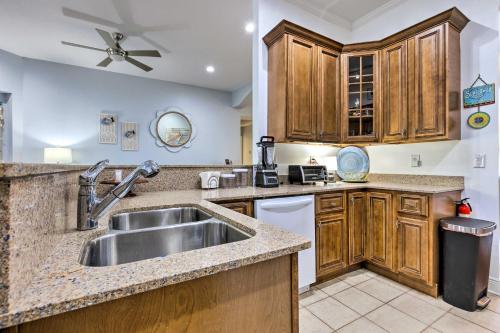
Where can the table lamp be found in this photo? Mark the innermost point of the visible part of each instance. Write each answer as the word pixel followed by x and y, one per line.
pixel 57 155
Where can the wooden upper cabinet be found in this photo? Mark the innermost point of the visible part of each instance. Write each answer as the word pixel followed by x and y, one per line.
pixel 429 113
pixel 303 90
pixel 301 106
pixel 403 88
pixel 381 247
pixel 331 243
pixel 360 96
pixel 357 227
pixel 394 100
pixel 328 107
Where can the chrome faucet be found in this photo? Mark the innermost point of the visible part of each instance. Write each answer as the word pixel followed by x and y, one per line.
pixel 90 207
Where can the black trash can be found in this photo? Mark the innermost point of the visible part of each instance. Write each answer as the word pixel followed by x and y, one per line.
pixel 466 253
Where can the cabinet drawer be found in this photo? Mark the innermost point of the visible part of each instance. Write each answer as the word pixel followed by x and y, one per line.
pixel 329 203
pixel 413 204
pixel 242 207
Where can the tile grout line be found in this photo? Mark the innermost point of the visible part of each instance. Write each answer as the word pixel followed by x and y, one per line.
pixel 328 295
pixel 321 320
pixel 470 321
pixel 449 312
pixel 365 315
pixel 331 296
pixel 404 292
pixel 435 321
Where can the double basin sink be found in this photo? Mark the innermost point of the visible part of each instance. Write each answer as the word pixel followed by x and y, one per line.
pixel 143 235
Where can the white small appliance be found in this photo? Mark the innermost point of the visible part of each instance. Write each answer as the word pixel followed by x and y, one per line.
pixel 209 179
pixel 295 214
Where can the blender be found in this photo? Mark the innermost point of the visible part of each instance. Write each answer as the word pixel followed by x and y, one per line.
pixel 266 174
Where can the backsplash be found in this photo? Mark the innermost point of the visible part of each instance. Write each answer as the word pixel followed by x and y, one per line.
pixel 170 178
pixel 457 181
pixel 417 179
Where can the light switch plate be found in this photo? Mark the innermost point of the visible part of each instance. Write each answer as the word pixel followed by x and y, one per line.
pixel 415 161
pixel 479 160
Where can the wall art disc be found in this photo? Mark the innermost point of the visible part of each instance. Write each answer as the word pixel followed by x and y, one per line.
pixel 478 120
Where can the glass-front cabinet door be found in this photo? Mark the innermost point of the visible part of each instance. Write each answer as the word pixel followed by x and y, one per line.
pixel 360 103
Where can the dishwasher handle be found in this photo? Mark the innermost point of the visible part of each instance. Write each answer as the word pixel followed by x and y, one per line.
pixel 290 204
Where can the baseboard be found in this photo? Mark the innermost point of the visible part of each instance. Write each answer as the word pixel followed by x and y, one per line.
pixel 494 286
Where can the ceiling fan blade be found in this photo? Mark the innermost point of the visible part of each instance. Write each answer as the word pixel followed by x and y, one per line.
pixel 107 37
pixel 83 46
pixel 139 64
pixel 144 53
pixel 68 12
pixel 105 62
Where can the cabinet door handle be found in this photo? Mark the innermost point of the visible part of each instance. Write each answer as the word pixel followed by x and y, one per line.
pixel 397 223
pixel 404 133
pixel 352 200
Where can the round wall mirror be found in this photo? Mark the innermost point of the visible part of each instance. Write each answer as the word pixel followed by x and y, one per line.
pixel 174 129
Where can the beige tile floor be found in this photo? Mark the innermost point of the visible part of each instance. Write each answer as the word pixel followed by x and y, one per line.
pixel 364 302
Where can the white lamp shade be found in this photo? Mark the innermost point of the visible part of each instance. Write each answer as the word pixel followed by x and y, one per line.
pixel 57 155
pixel 331 163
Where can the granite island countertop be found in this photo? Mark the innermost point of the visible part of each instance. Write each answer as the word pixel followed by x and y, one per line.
pixel 61 284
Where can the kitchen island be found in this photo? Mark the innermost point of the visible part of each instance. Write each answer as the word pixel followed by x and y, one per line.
pixel 249 284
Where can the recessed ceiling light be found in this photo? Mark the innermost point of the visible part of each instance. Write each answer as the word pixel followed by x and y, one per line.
pixel 210 69
pixel 250 27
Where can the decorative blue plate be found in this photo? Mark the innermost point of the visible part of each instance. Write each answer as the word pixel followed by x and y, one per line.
pixel 353 164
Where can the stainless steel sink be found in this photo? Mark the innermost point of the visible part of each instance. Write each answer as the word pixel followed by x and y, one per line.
pixel 157 218
pixel 124 247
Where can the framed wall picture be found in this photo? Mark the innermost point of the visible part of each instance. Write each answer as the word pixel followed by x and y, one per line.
pixel 130 136
pixel 107 128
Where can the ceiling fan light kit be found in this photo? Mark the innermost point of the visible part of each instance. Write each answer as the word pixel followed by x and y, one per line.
pixel 116 52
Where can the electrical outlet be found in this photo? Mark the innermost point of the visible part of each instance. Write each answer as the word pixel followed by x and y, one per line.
pixel 480 161
pixel 415 161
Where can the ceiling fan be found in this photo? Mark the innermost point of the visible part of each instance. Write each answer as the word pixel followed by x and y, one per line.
pixel 115 51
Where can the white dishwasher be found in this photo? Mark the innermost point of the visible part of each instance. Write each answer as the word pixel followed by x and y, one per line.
pixel 295 214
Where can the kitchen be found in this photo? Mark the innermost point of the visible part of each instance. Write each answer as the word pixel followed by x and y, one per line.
pixel 200 228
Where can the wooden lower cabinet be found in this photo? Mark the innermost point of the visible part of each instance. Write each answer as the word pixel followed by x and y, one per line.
pixel 242 207
pixel 380 233
pixel 413 247
pixel 237 300
pixel 390 232
pixel 330 203
pixel 331 243
pixel 357 227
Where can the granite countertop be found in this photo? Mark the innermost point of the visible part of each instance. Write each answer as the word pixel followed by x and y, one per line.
pixel 62 284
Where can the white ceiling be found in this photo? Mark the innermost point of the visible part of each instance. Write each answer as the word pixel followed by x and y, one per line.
pixel 190 34
pixel 347 13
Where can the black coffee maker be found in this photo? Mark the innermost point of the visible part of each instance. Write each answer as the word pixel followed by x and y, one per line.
pixel 266 174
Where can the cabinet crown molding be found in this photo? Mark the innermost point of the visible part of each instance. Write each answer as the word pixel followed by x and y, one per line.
pixel 287 27
pixel 453 16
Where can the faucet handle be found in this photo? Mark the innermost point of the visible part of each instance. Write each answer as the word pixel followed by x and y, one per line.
pixel 89 176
